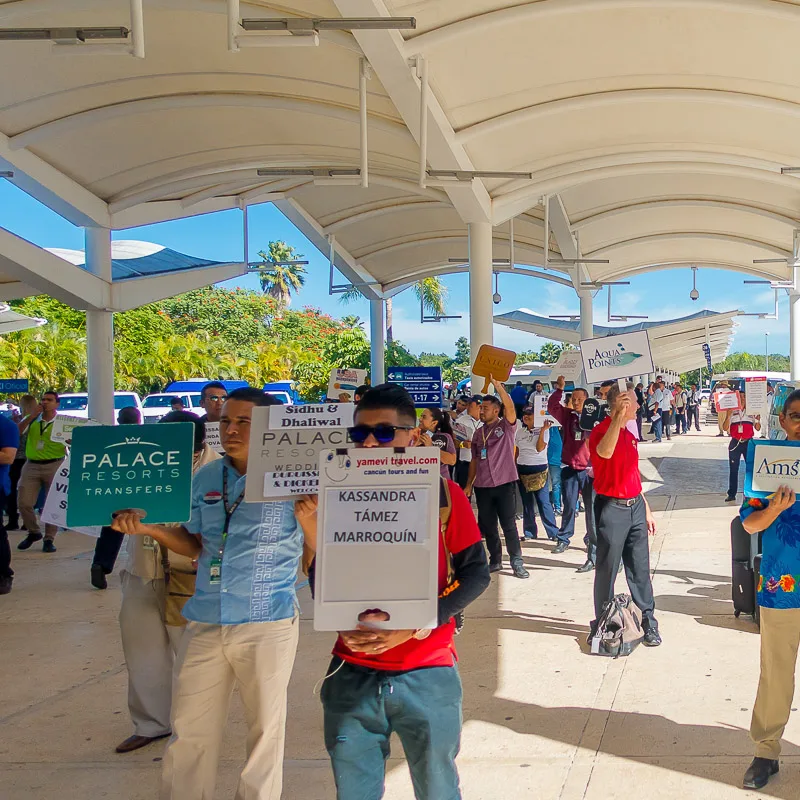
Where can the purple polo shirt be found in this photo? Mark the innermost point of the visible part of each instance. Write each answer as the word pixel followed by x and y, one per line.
pixel 498 467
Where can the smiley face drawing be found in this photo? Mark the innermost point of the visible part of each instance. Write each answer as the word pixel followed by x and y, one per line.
pixel 337 466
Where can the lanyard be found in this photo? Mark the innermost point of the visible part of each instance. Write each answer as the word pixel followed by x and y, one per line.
pixel 229 510
pixel 483 433
pixel 43 427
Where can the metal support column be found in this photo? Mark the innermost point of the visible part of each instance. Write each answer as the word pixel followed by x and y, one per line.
pixel 794 333
pixel 587 321
pixel 481 319
pixel 100 332
pixel 377 338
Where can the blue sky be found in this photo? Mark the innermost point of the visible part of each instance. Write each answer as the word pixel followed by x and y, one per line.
pixel 660 295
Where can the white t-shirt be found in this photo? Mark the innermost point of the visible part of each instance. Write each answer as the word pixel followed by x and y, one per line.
pixel 526 441
pixel 464 427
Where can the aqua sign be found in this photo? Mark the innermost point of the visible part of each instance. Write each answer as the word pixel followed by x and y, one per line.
pixel 147 468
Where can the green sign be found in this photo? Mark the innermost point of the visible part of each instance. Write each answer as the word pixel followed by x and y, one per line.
pixel 148 468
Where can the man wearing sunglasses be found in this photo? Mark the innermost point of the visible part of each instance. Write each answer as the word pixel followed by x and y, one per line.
pixel 493 474
pixel 212 396
pixel 404 681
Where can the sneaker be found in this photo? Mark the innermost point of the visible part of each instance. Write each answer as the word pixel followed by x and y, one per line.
pixel 29 540
pixel 459 619
pixel 5 584
pixel 98 577
pixel 48 546
pixel 759 772
pixel 652 637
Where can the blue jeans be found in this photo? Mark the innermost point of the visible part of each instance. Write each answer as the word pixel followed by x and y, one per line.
pixel 530 500
pixel 555 487
pixel 362 707
pixel 658 426
pixel 574 483
pixel 737 451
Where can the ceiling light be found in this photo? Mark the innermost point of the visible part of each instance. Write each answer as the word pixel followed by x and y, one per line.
pixel 303 26
pixel 61 34
pixel 468 175
pixel 313 172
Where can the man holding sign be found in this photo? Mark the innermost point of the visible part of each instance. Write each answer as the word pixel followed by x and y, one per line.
pixel 404 681
pixel 243 626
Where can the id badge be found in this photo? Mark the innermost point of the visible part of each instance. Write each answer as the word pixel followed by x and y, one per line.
pixel 484 453
pixel 215 571
pixel 40 445
pixel 149 543
pixel 578 436
pixel 740 429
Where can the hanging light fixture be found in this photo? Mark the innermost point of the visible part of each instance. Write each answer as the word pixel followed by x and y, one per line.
pixel 496 297
pixel 694 294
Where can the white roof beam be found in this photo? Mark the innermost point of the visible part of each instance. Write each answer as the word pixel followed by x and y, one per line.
pixel 167 210
pixel 16 290
pixel 389 58
pixel 49 274
pixel 52 187
pixel 314 232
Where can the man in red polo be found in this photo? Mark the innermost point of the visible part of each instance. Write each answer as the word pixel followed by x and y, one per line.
pixel 622 515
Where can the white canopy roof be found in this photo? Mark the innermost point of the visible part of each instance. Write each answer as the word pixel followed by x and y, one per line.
pixel 11 321
pixel 662 126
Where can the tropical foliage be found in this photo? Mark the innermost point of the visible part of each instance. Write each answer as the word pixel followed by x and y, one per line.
pixel 278 278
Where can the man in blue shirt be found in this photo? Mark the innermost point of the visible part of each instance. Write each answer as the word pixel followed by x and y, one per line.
pixel 9 441
pixel 778 519
pixel 519 396
pixel 243 626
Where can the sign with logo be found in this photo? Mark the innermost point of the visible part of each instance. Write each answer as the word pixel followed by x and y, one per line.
pixel 55 506
pixel 769 465
pixel 14 385
pixel 343 384
pixel 212 437
pixel 707 354
pixel 755 395
pixel 569 364
pixel 726 401
pixel 64 425
pixel 285 443
pixel 378 537
pixel 424 384
pixel 120 467
pixel 494 362
pixel 617 356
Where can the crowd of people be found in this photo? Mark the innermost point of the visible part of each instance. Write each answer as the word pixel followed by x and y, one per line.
pixel 199 617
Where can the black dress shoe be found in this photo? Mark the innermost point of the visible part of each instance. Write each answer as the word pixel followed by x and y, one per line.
pixel 495 567
pixel 48 546
pixel 5 584
pixel 29 540
pixel 560 547
pixel 135 742
pixel 587 567
pixel 520 571
pixel 98 577
pixel 652 637
pixel 759 772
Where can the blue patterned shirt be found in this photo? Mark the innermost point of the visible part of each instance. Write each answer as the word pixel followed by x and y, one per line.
pixel 260 558
pixel 779 581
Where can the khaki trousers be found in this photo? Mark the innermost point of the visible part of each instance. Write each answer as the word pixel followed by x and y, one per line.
pixel 256 657
pixel 33 476
pixel 780 638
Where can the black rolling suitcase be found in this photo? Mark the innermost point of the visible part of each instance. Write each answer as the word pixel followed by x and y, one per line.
pixel 744 551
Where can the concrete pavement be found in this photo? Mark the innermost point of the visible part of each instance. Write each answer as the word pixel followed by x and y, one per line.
pixel 542 718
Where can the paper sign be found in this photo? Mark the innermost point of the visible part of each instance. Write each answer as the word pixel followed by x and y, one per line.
pixel 539 409
pixel 285 443
pixel 64 425
pixel 726 401
pixel 119 467
pixel 569 364
pixel 755 395
pixel 343 384
pixel 55 506
pixel 769 465
pixel 617 356
pixel 495 362
pixel 378 537
pixel 212 437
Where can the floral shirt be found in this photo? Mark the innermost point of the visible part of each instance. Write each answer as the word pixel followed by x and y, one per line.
pixel 780 559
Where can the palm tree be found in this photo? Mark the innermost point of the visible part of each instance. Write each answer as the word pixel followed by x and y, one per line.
pixel 431 292
pixel 280 280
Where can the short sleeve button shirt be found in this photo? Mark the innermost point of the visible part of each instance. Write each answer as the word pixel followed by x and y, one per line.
pixel 498 468
pixel 9 437
pixel 617 476
pixel 260 557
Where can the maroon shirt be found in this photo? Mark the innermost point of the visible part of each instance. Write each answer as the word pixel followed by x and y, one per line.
pixel 499 466
pixel 575 451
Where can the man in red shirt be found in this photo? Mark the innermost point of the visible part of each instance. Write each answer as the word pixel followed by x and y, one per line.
pixel 404 681
pixel 622 515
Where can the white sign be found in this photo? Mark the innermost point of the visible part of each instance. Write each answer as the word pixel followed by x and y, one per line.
pixel 616 356
pixel 285 443
pixel 773 465
pixel 569 364
pixel 343 384
pixel 755 395
pixel 55 506
pixel 378 537
pixel 64 424
pixel 539 409
pixel 212 437
pixel 726 401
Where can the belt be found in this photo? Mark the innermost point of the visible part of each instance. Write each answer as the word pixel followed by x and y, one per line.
pixel 44 460
pixel 619 501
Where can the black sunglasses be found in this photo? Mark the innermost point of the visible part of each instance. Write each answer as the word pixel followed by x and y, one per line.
pixel 383 433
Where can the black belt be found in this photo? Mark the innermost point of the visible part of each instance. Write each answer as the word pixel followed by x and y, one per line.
pixel 45 460
pixel 620 501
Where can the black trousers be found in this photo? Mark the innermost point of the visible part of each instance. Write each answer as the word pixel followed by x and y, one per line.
pixel 499 503
pixel 622 535
pixel 462 473
pixel 5 549
pixel 14 471
pixel 107 548
pixel 692 413
pixel 737 451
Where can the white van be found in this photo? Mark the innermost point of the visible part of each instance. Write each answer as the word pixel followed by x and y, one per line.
pixel 158 405
pixel 77 404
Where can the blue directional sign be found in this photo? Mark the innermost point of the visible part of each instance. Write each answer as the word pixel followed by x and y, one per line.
pixel 13 385
pixel 707 352
pixel 424 384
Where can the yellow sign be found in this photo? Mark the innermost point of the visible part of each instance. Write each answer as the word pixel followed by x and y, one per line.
pixel 493 362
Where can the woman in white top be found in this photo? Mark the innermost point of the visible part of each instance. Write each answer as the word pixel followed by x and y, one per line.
pixel 531 444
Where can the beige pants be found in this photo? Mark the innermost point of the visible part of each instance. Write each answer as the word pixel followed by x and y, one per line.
pixel 258 658
pixel 33 476
pixel 780 637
